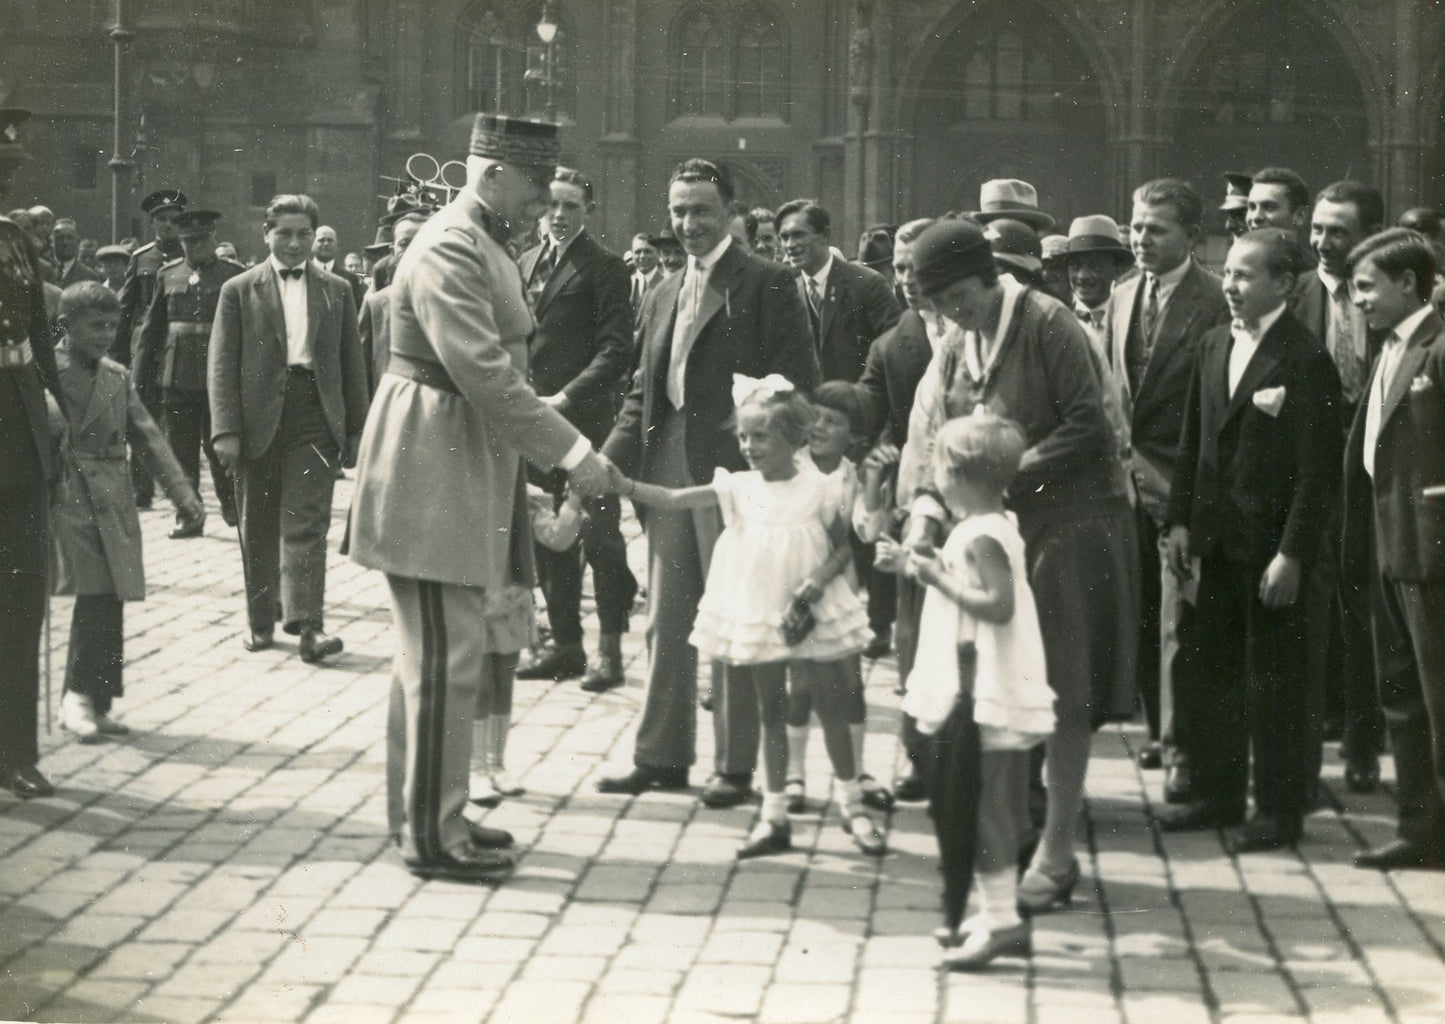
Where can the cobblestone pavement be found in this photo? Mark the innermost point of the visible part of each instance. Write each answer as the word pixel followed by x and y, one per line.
pixel 229 862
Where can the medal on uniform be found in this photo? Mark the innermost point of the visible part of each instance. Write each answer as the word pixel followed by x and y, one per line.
pixel 194 279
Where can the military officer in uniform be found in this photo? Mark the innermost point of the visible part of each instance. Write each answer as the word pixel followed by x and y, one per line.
pixel 27 464
pixel 163 208
pixel 176 334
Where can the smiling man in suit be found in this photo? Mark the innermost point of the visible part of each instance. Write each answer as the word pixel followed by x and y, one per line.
pixel 1257 476
pixel 849 306
pixel 579 353
pixel 324 249
pixel 288 400
pixel 1393 474
pixel 725 312
pixel 1152 326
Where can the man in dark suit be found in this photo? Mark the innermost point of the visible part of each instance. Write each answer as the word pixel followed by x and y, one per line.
pixel 1394 470
pixel 27 466
pixel 1258 470
pixel 325 249
pixel 1342 664
pixel 1151 327
pixel 65 244
pixel 726 312
pixel 374 321
pixel 647 271
pixel 288 400
pixel 579 353
pixel 848 305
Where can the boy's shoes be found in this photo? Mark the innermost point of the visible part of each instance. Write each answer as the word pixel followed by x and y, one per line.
pixel 488 838
pixel 1263 833
pixel 879 646
pixel 1199 816
pixel 27 783
pixel 865 834
pixel 795 796
pixel 317 646
pixel 565 661
pixel 184 531
pixel 77 716
pixel 603 674
pixel 1151 757
pixel 1396 854
pixel 766 838
pixel 110 727
pixel 875 795
pixel 910 789
pixel 1179 784
pixel 726 791
pixel 469 864
pixel 259 640
pixel 642 778
pixel 1362 774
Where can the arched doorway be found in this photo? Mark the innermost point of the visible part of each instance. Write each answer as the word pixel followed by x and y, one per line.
pixel 1271 86
pixel 1008 93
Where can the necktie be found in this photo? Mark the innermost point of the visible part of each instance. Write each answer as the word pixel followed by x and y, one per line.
pixel 293 274
pixel 682 330
pixel 814 305
pixel 541 273
pixel 636 292
pixel 1151 315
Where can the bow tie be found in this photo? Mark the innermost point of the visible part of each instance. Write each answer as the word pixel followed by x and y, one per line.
pixel 294 273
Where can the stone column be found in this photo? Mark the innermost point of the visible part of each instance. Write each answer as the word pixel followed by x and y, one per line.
pixel 618 177
pixel 1404 140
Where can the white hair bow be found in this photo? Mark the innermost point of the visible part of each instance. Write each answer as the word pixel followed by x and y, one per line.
pixel 745 387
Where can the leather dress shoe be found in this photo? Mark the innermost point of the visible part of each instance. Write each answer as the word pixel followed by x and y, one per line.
pixel 603 674
pixel 1199 816
pixel 1179 784
pixel 1362 773
pixel 562 662
pixel 642 778
pixel 488 838
pixel 879 647
pixel 981 948
pixel 1151 757
pixel 1263 833
pixel 726 791
pixel 27 783
pixel 259 641
pixel 317 646
pixel 184 531
pixel 228 512
pixel 469 864
pixel 1396 854
pixel 768 837
pixel 910 788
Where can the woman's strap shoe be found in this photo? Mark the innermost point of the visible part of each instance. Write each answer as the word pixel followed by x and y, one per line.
pixel 767 838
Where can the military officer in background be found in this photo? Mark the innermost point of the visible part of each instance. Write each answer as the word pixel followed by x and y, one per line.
pixel 163 208
pixel 176 335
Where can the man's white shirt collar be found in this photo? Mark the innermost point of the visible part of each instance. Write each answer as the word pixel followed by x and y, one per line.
pixel 820 279
pixel 705 263
pixel 1403 331
pixel 1169 280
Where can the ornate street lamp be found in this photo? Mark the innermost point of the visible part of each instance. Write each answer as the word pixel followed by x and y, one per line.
pixel 120 34
pixel 547 32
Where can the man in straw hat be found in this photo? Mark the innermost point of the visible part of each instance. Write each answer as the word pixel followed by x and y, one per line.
pixel 452 419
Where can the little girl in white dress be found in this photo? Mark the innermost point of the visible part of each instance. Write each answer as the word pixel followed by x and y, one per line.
pixel 774 589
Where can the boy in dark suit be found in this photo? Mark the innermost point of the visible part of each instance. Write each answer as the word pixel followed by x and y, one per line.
pixel 1257 470
pixel 1393 471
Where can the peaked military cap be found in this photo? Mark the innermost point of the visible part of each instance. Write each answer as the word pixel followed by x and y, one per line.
pixel 165 199
pixel 197 222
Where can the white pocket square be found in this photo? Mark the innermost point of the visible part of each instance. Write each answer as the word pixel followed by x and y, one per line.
pixel 1269 400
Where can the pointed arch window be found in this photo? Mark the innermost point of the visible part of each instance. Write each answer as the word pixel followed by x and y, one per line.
pixel 503 65
pixel 728 66
pixel 760 70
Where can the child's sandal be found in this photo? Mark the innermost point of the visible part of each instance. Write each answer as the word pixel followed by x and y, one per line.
pixel 874 794
pixel 865 834
pixel 794 792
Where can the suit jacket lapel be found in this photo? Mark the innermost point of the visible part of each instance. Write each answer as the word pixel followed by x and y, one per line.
pixel 561 274
pixel 1262 364
pixel 1411 360
pixel 660 349
pixel 832 296
pixel 717 293
pixel 1123 298
pixel 1181 309
pixel 318 303
pixel 268 294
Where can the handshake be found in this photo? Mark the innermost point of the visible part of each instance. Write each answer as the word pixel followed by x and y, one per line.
pixel 595 476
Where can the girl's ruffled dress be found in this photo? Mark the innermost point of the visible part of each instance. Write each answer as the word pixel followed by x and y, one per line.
pixel 775 536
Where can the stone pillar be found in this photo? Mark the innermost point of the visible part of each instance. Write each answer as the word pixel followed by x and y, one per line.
pixel 1404 140
pixel 619 179
pixel 861 64
pixel 1137 147
pixel 879 163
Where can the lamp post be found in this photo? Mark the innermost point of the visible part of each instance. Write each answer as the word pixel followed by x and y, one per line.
pixel 120 34
pixel 547 32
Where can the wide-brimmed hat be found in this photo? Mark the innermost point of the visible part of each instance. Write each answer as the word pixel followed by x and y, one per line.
pixel 662 238
pixel 949 251
pixel 1015 245
pixel 1098 232
pixel 1236 191
pixel 1013 199
pixel 515 140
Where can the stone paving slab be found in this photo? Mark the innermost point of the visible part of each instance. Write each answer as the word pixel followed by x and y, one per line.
pixel 228 862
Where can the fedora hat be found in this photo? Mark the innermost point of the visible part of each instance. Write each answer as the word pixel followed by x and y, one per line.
pixel 1015 245
pixel 1098 233
pixel 1011 198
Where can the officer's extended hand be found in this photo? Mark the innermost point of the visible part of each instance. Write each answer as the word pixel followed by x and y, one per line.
pixel 228 450
pixel 590 478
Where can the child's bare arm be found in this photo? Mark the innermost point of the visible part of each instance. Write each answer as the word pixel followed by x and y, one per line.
pixel 993 599
pixel 839 556
pixel 669 497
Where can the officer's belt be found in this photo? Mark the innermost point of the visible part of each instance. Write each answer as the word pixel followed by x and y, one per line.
pixel 423 371
pixel 12 357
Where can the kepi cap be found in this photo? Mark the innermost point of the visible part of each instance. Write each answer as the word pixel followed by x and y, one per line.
pixel 165 199
pixel 515 140
pixel 950 251
pixel 1236 191
pixel 112 251
pixel 1011 198
pixel 191 223
pixel 1098 233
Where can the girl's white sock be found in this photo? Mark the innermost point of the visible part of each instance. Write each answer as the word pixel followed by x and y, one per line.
pixel 775 808
pixel 850 797
pixel 998 899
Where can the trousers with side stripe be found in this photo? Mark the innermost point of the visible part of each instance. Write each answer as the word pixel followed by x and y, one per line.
pixel 442 662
